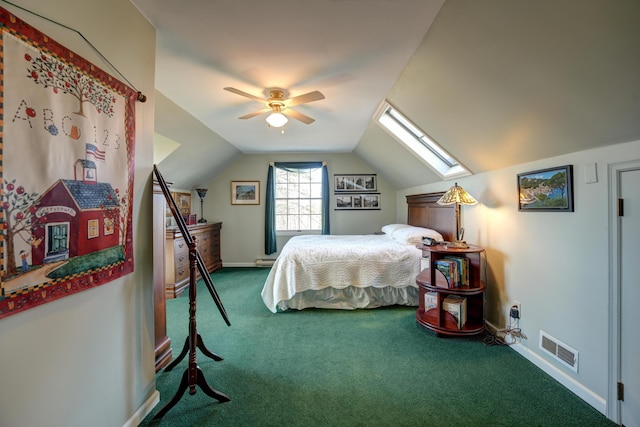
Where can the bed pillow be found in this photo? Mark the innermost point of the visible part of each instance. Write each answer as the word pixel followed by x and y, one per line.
pixel 412 235
pixel 390 228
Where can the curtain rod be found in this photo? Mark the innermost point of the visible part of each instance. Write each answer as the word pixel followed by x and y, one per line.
pixel 140 97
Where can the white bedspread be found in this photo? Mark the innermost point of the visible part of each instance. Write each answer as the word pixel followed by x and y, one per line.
pixel 339 267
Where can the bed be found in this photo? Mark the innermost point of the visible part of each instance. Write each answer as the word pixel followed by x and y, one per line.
pixel 358 271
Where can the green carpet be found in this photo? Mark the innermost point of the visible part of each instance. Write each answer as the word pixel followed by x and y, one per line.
pixel 350 368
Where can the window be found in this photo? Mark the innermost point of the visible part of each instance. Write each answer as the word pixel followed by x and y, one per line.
pixel 298 199
pixel 92 228
pixel 297 184
pixel 108 226
pixel 403 130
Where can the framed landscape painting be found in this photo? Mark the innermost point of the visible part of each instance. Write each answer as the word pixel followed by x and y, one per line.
pixel 245 192
pixel 549 190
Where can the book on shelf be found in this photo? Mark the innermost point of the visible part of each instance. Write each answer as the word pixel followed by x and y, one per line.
pixel 457 306
pixel 463 269
pixel 449 273
pixel 430 300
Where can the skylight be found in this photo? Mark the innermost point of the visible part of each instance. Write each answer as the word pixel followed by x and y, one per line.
pixel 407 133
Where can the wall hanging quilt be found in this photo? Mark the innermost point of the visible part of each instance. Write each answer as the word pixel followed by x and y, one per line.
pixel 66 166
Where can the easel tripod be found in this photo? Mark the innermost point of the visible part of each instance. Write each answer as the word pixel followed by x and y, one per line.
pixel 193 375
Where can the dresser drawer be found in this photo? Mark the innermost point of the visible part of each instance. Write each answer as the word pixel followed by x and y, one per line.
pixel 207 238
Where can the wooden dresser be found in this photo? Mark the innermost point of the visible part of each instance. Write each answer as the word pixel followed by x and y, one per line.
pixel 207 237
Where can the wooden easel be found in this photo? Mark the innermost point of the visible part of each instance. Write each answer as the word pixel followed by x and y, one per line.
pixel 193 375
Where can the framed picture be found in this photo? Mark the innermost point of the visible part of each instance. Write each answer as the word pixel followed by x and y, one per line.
pixel 357 183
pixel 245 192
pixel 360 201
pixel 183 201
pixel 546 190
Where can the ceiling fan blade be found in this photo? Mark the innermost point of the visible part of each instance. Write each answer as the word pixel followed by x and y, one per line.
pixel 255 113
pixel 307 97
pixel 245 94
pixel 299 116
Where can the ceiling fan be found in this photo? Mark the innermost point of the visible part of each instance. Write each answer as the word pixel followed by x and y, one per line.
pixel 277 103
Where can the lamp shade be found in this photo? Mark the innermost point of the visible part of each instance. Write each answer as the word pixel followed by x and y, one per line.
pixel 277 120
pixel 201 192
pixel 456 194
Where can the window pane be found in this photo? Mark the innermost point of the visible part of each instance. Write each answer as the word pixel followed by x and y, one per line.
pixel 305 191
pixel 281 176
pixel 305 222
pixel 281 207
pixel 293 189
pixel 305 207
pixel 316 191
pixel 292 222
pixel 281 222
pixel 292 207
pixel 316 207
pixel 316 175
pixel 281 192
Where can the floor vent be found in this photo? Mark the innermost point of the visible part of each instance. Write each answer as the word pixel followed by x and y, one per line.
pixel 559 350
pixel 265 262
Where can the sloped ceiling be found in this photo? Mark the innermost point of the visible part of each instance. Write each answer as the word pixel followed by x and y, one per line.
pixel 496 82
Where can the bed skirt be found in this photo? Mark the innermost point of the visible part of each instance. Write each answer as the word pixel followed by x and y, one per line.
pixel 352 298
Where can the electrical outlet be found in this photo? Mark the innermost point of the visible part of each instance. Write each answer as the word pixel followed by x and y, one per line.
pixel 515 312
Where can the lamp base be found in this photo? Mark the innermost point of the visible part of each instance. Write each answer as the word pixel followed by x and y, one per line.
pixel 457 244
pixel 202 221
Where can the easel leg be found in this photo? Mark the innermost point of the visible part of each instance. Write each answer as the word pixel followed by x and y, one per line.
pixel 205 350
pixel 184 383
pixel 185 350
pixel 202 383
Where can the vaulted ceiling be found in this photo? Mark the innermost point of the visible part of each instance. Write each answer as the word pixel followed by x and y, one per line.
pixel 495 82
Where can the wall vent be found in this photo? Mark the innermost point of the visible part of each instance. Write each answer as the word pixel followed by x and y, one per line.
pixel 265 262
pixel 559 350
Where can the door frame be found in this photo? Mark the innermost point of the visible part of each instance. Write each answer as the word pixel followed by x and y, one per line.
pixel 614 172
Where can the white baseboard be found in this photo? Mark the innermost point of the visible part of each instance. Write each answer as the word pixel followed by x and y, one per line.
pixel 241 264
pixel 584 393
pixel 143 410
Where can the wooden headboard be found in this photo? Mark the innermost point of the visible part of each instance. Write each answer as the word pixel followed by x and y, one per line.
pixel 424 212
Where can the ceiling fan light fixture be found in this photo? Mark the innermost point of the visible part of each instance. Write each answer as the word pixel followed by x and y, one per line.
pixel 277 120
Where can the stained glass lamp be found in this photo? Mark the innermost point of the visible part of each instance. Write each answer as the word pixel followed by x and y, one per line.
pixel 456 195
pixel 201 193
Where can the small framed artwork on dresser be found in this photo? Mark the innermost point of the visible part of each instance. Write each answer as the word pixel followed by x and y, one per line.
pixel 183 201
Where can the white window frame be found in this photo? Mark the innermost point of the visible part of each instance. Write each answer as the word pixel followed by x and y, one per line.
pixel 417 141
pixel 291 232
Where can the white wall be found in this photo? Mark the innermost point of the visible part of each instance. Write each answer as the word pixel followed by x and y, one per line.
pixel 242 238
pixel 88 359
pixel 554 264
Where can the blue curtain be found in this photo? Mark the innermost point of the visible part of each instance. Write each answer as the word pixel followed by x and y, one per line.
pixel 270 245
